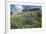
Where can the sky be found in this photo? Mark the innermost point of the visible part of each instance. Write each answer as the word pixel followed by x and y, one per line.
pixel 15 8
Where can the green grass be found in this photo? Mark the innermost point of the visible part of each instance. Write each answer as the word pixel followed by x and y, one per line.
pixel 18 21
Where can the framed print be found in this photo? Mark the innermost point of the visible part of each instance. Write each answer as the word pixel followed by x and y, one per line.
pixel 24 16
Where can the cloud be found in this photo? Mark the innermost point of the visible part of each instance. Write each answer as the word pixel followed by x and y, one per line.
pixel 16 8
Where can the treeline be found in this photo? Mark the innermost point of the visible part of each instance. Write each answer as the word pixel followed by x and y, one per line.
pixel 33 9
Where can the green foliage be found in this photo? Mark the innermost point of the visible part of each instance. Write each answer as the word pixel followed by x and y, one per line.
pixel 18 21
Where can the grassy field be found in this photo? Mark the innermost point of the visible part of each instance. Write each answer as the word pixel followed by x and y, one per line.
pixel 19 20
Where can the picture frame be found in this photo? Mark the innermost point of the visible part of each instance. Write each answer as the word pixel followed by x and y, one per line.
pixel 7 24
